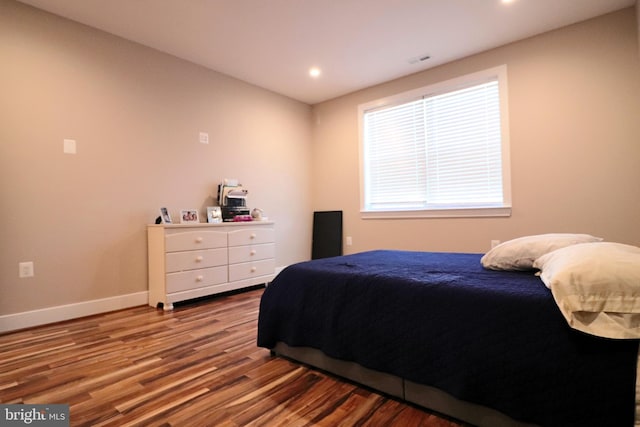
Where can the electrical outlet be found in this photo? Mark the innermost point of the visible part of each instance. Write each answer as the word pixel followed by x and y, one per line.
pixel 25 269
pixel 349 241
pixel 494 243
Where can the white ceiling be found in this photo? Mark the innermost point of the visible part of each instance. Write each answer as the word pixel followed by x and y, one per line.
pixel 356 43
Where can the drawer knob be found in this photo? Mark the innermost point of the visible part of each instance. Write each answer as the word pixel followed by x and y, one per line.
pixel 199 278
pixel 253 236
pixel 198 239
pixel 199 258
pixel 253 269
pixel 253 252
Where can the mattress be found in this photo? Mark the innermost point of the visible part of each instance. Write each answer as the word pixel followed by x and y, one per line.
pixel 494 339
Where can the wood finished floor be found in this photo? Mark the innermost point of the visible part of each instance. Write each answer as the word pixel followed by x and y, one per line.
pixel 196 366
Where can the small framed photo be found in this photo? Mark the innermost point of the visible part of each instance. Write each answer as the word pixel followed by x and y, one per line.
pixel 214 214
pixel 164 216
pixel 189 216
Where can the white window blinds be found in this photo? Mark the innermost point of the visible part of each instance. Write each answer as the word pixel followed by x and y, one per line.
pixel 442 151
pixel 464 165
pixel 395 157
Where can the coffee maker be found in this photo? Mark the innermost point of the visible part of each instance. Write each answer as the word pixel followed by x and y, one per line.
pixel 232 199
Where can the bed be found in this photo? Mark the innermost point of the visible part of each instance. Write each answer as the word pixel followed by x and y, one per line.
pixel 440 330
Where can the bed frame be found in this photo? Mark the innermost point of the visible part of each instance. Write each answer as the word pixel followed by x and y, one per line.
pixel 428 397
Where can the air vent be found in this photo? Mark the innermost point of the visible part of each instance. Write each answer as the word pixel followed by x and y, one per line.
pixel 417 59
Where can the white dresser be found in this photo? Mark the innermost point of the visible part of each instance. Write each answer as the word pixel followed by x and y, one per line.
pixel 193 260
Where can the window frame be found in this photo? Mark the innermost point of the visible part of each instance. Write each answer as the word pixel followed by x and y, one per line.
pixel 499 72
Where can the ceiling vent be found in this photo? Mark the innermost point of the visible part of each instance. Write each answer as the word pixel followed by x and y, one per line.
pixel 417 59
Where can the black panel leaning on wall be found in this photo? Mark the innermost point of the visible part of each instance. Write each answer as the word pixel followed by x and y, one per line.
pixel 327 234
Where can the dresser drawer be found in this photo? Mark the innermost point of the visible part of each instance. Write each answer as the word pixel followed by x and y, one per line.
pixel 247 270
pixel 190 260
pixel 193 240
pixel 251 236
pixel 194 279
pixel 251 253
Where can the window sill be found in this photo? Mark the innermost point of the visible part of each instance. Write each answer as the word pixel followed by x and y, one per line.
pixel 439 213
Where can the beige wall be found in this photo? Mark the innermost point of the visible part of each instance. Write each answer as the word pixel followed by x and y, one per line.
pixel 136 114
pixel 638 22
pixel 574 99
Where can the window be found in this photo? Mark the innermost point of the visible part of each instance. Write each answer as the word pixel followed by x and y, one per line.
pixel 442 150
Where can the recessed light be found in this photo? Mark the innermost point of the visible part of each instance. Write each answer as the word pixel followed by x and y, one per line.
pixel 314 72
pixel 507 1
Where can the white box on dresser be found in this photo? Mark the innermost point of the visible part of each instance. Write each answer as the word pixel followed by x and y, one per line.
pixel 193 260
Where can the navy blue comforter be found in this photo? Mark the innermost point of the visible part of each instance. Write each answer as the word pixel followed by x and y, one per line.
pixel 492 338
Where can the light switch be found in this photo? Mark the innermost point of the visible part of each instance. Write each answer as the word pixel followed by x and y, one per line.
pixel 25 269
pixel 69 146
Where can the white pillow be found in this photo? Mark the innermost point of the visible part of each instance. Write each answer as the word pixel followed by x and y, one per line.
pixel 596 287
pixel 520 253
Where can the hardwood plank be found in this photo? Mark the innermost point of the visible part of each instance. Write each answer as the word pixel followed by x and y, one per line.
pixel 197 365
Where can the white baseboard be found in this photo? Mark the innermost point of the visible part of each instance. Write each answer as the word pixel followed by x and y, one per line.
pixel 28 319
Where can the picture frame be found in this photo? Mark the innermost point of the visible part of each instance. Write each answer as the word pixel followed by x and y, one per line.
pixel 189 216
pixel 165 218
pixel 214 214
